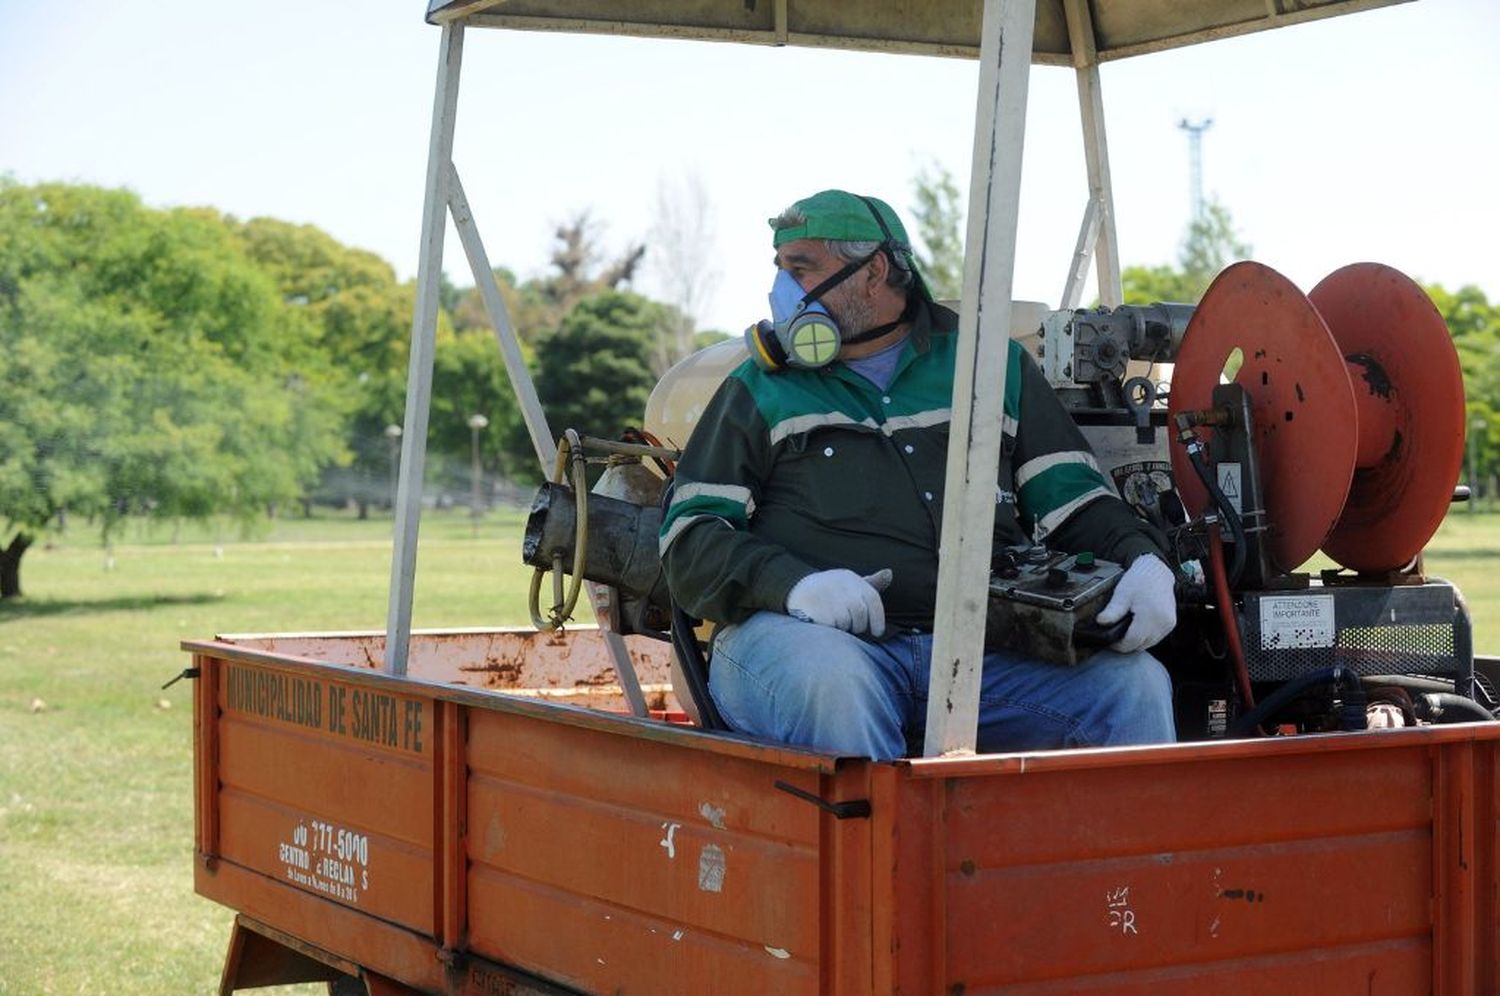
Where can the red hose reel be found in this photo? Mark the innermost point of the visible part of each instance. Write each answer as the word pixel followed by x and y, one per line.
pixel 1358 405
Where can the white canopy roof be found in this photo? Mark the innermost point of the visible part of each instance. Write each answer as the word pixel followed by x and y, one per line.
pixel 923 27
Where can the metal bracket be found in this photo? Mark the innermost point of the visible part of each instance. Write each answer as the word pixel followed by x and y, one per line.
pixel 858 809
pixel 187 672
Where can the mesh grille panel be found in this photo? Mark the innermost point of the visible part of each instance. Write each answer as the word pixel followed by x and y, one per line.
pixel 1410 629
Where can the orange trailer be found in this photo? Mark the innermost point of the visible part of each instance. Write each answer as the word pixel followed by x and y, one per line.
pixel 489 812
pixel 442 833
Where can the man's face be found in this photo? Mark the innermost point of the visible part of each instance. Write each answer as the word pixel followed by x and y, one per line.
pixel 810 263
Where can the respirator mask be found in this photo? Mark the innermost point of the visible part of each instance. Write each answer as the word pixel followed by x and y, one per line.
pixel 802 333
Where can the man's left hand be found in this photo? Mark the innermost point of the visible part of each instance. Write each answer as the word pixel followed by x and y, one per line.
pixel 1146 589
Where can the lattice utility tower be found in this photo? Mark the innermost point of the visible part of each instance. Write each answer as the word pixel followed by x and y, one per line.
pixel 1195 130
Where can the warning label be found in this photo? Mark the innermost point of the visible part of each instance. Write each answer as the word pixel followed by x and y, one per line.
pixel 1295 622
pixel 1228 475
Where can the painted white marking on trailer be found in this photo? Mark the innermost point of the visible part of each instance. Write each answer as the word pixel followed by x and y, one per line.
pixel 1121 916
pixel 777 952
pixel 711 868
pixel 327 858
pixel 1213 928
pixel 676 935
pixel 667 841
pixel 712 814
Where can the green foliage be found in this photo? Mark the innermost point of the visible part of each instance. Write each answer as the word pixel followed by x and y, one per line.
pixel 533 312
pixel 704 338
pixel 938 219
pixel 1474 323
pixel 1210 245
pixel 594 372
pixel 357 315
pixel 469 378
pixel 183 363
pixel 149 366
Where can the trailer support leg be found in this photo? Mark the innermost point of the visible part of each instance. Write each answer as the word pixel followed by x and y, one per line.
pixel 257 959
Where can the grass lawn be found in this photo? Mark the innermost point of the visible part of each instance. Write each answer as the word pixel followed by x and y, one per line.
pixel 95 786
pixel 95 760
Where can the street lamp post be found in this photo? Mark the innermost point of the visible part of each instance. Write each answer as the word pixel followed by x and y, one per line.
pixel 393 438
pixel 476 423
pixel 1475 428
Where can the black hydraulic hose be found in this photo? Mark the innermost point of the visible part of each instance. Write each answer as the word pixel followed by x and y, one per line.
pixel 1336 676
pixel 694 670
pixel 1410 682
pixel 1195 451
pixel 1194 447
pixel 1446 707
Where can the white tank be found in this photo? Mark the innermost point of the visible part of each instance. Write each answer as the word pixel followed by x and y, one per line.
pixel 678 400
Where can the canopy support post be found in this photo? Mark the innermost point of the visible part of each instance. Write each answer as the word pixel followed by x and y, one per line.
pixel 1083 255
pixel 601 597
pixel 542 439
pixel 423 346
pixel 969 491
pixel 1095 150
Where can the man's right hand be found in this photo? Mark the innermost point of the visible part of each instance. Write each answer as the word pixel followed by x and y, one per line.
pixel 841 599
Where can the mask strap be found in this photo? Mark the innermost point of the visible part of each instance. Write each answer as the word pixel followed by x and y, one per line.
pixel 889 246
pixel 829 284
pixel 907 314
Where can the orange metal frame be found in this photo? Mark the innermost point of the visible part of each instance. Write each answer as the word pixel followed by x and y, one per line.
pixel 455 840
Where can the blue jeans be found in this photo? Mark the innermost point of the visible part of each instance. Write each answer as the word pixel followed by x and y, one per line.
pixel 801 683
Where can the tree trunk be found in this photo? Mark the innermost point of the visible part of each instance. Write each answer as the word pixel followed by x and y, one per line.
pixel 10 566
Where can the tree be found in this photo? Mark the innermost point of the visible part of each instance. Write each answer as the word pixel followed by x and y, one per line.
pixel 581 269
pixel 469 378
pixel 1474 323
pixel 682 254
pixel 359 316
pixel 149 367
pixel 594 373
pixel 1210 245
pixel 938 218
pixel 581 277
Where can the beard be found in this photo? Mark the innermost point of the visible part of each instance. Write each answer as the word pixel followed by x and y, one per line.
pixel 854 315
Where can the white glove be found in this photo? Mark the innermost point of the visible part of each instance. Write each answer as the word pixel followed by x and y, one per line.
pixel 842 599
pixel 1146 589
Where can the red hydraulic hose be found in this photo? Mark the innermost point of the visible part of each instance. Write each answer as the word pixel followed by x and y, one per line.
pixel 1226 614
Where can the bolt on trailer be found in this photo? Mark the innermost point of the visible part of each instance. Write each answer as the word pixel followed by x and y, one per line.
pixel 526 811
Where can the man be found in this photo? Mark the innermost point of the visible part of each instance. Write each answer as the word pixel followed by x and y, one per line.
pixel 807 504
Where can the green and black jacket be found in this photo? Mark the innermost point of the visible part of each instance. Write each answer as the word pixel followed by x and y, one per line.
pixel 801 471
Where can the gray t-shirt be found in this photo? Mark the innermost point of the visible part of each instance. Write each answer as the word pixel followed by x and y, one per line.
pixel 879 368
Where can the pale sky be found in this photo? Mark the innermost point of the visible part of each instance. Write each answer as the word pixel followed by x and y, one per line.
pixel 1371 136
